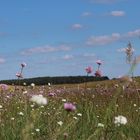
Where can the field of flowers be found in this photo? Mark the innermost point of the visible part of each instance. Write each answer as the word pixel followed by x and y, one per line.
pixel 107 110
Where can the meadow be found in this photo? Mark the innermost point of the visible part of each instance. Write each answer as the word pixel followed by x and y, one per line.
pixel 105 110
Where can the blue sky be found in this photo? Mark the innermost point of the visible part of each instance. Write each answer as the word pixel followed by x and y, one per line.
pixel 62 37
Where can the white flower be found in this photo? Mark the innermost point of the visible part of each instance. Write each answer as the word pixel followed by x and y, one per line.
pixel 64 100
pixel 33 85
pixel 25 92
pixel 39 99
pixel 60 123
pixel 135 105
pixel 75 118
pixel 8 96
pixel 31 105
pixel 100 125
pixel 49 84
pixel 93 96
pixel 12 118
pixel 79 114
pixel 24 84
pixel 120 120
pixel 21 113
pixel 37 130
pixel 0 106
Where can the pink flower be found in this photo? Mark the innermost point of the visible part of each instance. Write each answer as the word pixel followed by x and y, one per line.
pixel 3 87
pixel 69 107
pixel 19 75
pixel 51 94
pixel 99 62
pixel 23 64
pixel 88 70
pixel 98 73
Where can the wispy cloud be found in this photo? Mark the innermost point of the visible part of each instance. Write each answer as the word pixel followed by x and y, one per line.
pixel 77 26
pixel 2 60
pixel 86 14
pixel 80 57
pixel 104 1
pixel 84 56
pixel 102 40
pixel 134 33
pixel 117 13
pixel 67 57
pixel 45 49
pixel 107 39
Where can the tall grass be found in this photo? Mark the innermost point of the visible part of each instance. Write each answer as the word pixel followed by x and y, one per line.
pixel 93 119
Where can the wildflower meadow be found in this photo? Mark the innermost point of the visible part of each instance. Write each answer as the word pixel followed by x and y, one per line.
pixel 107 110
pixel 101 110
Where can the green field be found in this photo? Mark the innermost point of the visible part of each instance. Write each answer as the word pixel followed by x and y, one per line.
pixel 97 105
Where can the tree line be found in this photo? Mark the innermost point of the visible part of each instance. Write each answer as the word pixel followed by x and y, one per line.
pixel 54 80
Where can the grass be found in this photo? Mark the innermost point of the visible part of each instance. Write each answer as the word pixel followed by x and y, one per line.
pixel 98 103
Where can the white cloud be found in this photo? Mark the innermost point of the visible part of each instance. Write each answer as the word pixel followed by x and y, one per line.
pixel 46 49
pixel 117 13
pixel 68 57
pixel 102 40
pixel 133 33
pixel 2 60
pixel 77 26
pixel 86 14
pixel 107 39
pixel 85 57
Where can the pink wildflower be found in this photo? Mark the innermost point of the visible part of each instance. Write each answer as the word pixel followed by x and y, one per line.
pixel 99 62
pixel 51 94
pixel 19 75
pixel 98 73
pixel 88 70
pixel 69 107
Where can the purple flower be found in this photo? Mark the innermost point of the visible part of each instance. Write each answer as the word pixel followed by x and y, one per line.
pixel 69 107
pixel 3 87
pixel 51 94
pixel 23 64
